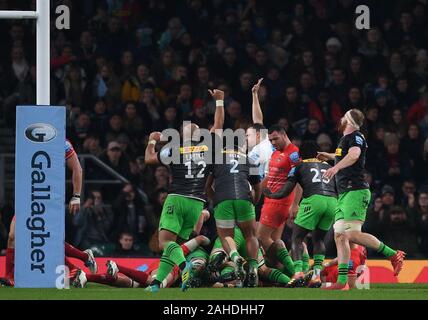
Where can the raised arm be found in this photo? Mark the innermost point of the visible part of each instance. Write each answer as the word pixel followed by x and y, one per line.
pixel 257 113
pixel 218 96
pixel 151 156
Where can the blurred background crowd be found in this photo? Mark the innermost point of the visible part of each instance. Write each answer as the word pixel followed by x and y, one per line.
pixel 128 67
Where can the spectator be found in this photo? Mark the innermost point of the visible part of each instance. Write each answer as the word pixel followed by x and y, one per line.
pixel 162 71
pixel 419 109
pixel 413 146
pixel 420 214
pixel 93 222
pixel 81 130
pixel 100 117
pixel 129 214
pixel 242 94
pixel 92 146
pixel 184 99
pixel 169 119
pixel 150 104
pixel 377 216
pixel 339 88
pixel 115 128
pixel 199 116
pixel 403 94
pixel 132 122
pixel 232 115
pixel 114 158
pixel 374 50
pixel 397 124
pixel 397 162
pixel 76 89
pixel 125 246
pixel 107 86
pixel 126 69
pixel 324 142
pixel 356 74
pixel 200 86
pixel 171 36
pixel 400 232
pixel 132 89
pixel 312 131
pixel 408 191
pixel 327 111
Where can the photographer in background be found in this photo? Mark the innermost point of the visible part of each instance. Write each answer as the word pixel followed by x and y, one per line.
pixel 93 223
pixel 129 214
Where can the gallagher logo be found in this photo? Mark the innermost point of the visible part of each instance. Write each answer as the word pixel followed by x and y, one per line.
pixel 40 132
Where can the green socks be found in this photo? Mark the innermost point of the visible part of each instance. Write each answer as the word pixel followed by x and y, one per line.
pixel 174 252
pixel 165 267
pixel 298 266
pixel 305 259
pixel 285 259
pixel 172 255
pixel 385 250
pixel 343 273
pixel 318 260
pixel 277 276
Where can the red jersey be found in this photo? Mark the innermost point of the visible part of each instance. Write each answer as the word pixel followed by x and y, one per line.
pixel 358 258
pixel 69 150
pixel 280 165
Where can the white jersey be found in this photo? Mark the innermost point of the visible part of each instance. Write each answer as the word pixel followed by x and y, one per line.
pixel 260 155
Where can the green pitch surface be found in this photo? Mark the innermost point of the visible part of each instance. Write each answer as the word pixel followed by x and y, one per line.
pixel 99 292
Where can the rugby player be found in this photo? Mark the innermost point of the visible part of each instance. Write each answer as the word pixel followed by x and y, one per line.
pixel 275 212
pixel 222 267
pixel 354 197
pixel 358 258
pixel 123 277
pixel 186 197
pixel 316 211
pixel 233 204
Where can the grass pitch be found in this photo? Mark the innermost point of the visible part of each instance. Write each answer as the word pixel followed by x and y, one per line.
pixel 100 292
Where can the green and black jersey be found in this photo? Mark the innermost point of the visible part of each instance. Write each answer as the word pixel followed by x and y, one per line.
pixel 190 171
pixel 352 177
pixel 232 177
pixel 309 174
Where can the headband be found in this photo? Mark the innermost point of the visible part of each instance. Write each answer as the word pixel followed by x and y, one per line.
pixel 351 120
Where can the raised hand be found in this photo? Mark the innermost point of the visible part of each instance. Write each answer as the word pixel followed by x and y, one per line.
pixel 216 94
pixel 256 87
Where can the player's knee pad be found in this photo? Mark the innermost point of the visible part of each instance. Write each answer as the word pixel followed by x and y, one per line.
pixel 225 224
pixel 339 227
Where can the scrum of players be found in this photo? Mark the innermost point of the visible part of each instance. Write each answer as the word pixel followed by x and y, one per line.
pixel 297 184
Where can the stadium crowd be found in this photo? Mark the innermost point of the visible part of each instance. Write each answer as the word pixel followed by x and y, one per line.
pixel 129 67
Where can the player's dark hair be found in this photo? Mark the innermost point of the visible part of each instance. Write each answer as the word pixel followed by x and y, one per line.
pixel 308 149
pixel 277 128
pixel 260 128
